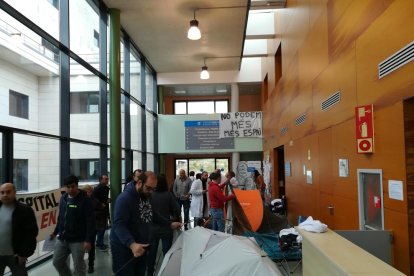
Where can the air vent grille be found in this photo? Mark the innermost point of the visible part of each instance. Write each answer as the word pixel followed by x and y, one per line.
pixel 283 130
pixel 300 120
pixel 397 60
pixel 331 101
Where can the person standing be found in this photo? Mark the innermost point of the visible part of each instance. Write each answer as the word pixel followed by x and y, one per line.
pixel 217 200
pixel 181 190
pixel 100 221
pixel 260 185
pixel 197 200
pixel 191 176
pixel 133 178
pixel 206 204
pixel 163 204
pixel 101 193
pixel 75 229
pixel 130 234
pixel 18 231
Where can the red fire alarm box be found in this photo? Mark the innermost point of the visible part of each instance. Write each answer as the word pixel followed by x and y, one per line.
pixel 364 123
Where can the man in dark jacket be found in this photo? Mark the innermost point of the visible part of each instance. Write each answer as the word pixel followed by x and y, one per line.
pixel 18 231
pixel 130 234
pixel 101 193
pixel 75 229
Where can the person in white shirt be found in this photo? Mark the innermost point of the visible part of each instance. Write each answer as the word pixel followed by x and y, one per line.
pixel 197 194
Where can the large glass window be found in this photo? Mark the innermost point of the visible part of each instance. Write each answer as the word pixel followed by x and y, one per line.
pixel 122 79
pixel 29 79
pixel 84 102
pixel 137 160
pixel 199 165
pixel 36 163
pixel 135 75
pixel 180 108
pixel 84 162
pixel 84 117
pixel 150 131
pixel 21 174
pixel 84 29
pixel 136 125
pixel 149 89
pixel 122 164
pixel 18 105
pixel 45 14
pixel 150 162
pixel 201 107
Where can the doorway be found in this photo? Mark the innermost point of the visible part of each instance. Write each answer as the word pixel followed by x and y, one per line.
pixel 370 197
pixel 279 176
pixel 198 165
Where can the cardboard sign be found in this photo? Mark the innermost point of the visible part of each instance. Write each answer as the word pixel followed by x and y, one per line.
pixel 364 125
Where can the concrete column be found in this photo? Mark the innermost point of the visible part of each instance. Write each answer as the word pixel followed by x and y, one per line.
pixel 234 107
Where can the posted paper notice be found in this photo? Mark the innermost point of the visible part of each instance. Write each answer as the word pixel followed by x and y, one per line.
pixel 395 189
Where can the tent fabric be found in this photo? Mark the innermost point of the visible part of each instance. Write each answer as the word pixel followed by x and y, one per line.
pixel 201 251
pixel 252 206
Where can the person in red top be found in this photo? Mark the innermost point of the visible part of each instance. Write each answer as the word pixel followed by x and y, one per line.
pixel 217 200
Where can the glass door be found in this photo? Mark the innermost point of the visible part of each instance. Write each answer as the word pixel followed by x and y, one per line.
pixel 371 209
pixel 181 164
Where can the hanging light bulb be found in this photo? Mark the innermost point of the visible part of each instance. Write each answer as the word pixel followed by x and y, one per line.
pixel 194 32
pixel 204 75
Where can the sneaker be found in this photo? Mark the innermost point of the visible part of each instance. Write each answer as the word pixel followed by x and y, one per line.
pixel 90 269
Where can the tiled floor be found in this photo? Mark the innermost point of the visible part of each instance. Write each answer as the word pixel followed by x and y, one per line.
pixel 103 266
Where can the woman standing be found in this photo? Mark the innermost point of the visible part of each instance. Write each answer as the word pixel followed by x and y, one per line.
pixel 164 204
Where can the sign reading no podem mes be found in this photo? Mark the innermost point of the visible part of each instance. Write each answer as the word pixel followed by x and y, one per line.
pixel 241 124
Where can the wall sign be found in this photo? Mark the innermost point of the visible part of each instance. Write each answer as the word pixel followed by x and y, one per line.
pixel 204 135
pixel 364 123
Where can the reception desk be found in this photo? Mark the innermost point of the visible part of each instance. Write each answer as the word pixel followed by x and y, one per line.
pixel 330 254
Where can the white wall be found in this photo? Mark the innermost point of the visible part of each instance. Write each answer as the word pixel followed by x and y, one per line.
pixel 171 135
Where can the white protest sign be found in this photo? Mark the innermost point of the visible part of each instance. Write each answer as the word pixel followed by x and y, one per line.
pixel 241 124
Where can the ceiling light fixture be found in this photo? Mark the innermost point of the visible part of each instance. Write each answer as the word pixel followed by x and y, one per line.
pixel 221 90
pixel 204 75
pixel 194 32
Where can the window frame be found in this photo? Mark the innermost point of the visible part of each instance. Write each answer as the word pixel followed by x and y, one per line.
pixel 22 104
pixel 187 101
pixel 88 102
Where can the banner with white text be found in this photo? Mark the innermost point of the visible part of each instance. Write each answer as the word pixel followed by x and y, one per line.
pixel 241 124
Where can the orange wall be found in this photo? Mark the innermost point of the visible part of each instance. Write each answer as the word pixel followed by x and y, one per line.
pixel 337 45
pixel 249 102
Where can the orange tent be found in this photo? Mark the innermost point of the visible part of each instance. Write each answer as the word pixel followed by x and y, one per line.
pixel 251 203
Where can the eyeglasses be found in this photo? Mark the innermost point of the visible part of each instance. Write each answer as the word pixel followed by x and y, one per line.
pixel 149 188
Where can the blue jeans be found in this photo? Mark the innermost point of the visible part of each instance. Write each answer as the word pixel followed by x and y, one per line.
pixel 60 258
pixel 12 262
pixel 100 237
pixel 125 264
pixel 218 216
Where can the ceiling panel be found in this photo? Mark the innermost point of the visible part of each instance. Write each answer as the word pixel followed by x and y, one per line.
pixel 159 28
